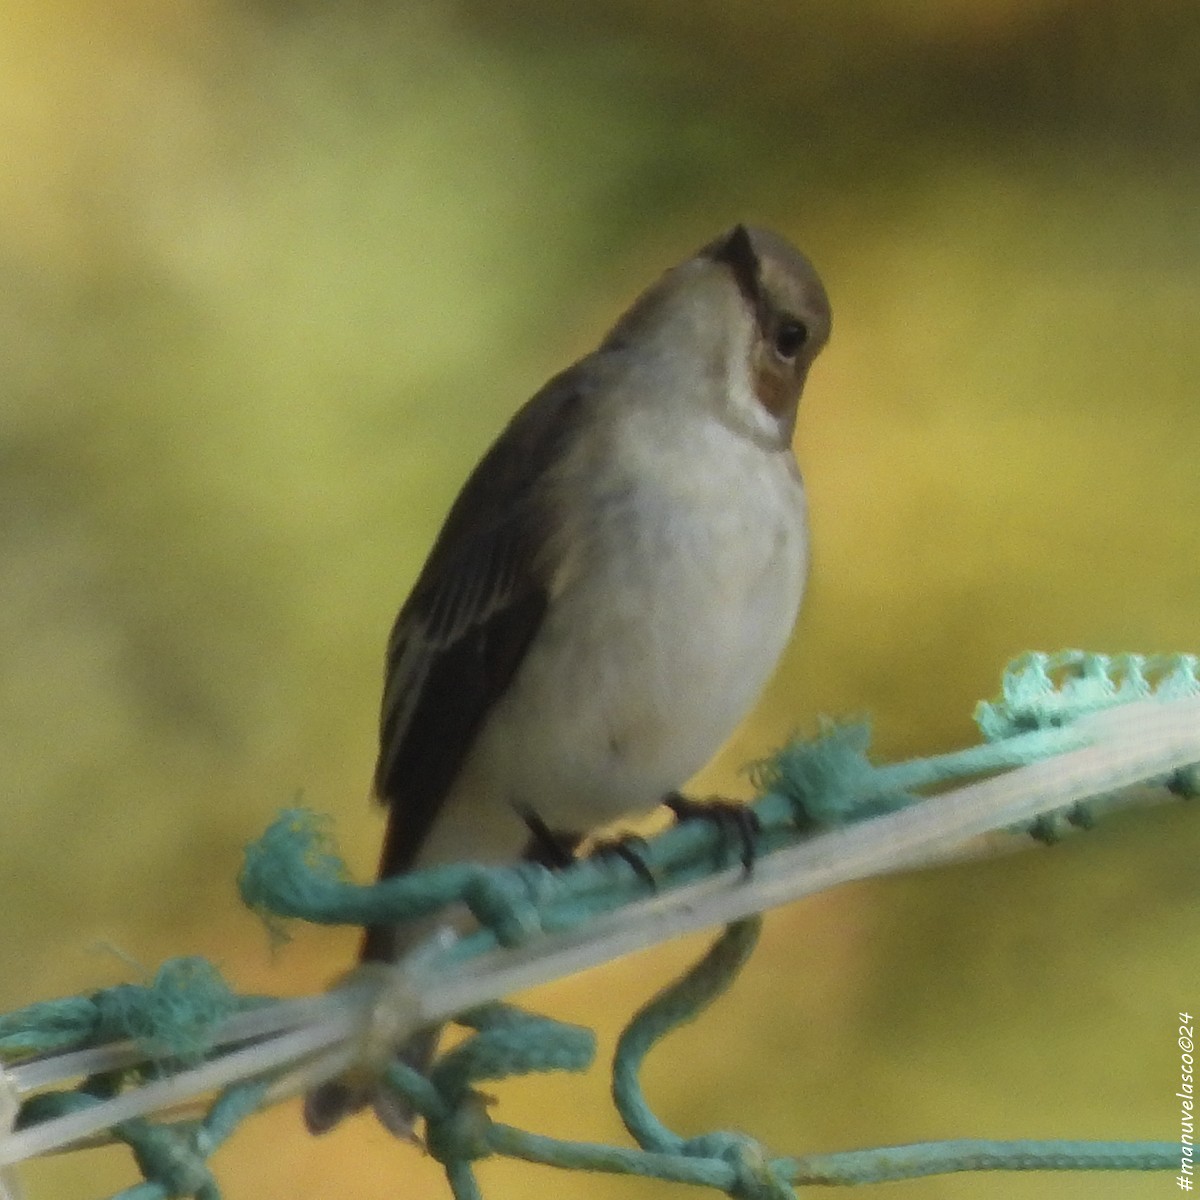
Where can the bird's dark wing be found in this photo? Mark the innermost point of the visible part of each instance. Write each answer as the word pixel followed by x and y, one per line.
pixel 464 630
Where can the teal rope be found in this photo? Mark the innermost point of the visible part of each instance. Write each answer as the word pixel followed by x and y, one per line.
pixel 173 1017
pixel 676 1005
pixel 462 1130
pixel 172 1157
pixel 923 1159
pixel 294 871
pixel 1045 691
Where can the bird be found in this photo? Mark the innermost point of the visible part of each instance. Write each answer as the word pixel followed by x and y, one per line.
pixel 608 595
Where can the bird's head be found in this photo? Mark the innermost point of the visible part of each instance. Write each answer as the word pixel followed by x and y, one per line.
pixel 748 314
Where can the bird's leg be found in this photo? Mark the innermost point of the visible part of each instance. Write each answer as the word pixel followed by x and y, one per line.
pixel 550 848
pixel 556 851
pixel 733 819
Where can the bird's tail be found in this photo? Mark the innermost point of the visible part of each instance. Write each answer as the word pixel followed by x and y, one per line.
pixel 331 1101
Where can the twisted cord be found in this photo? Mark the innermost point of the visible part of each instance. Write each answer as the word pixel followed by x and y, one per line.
pixel 146 1034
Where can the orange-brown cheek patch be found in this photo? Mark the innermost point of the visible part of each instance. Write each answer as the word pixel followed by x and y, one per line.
pixel 773 390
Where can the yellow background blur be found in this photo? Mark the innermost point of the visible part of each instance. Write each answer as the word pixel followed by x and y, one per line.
pixel 272 275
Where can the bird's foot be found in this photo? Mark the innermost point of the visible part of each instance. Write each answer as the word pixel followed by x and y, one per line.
pixel 629 848
pixel 546 846
pixel 736 822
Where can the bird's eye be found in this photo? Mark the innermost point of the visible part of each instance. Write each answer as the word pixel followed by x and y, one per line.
pixel 789 338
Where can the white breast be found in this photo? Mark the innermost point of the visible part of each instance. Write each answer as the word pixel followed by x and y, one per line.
pixel 681 575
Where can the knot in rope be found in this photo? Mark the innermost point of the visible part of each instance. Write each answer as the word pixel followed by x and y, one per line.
pixel 756 1177
pixel 171 1157
pixel 507 1042
pixel 461 1132
pixel 502 903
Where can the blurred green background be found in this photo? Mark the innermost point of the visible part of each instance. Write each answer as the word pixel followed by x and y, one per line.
pixel 272 275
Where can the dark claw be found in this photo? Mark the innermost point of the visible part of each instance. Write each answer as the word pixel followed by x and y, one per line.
pixel 630 849
pixel 734 820
pixel 553 850
pixel 1046 829
pixel 1185 782
pixel 1081 816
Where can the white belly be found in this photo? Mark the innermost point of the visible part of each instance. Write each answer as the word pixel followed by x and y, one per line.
pixel 677 596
